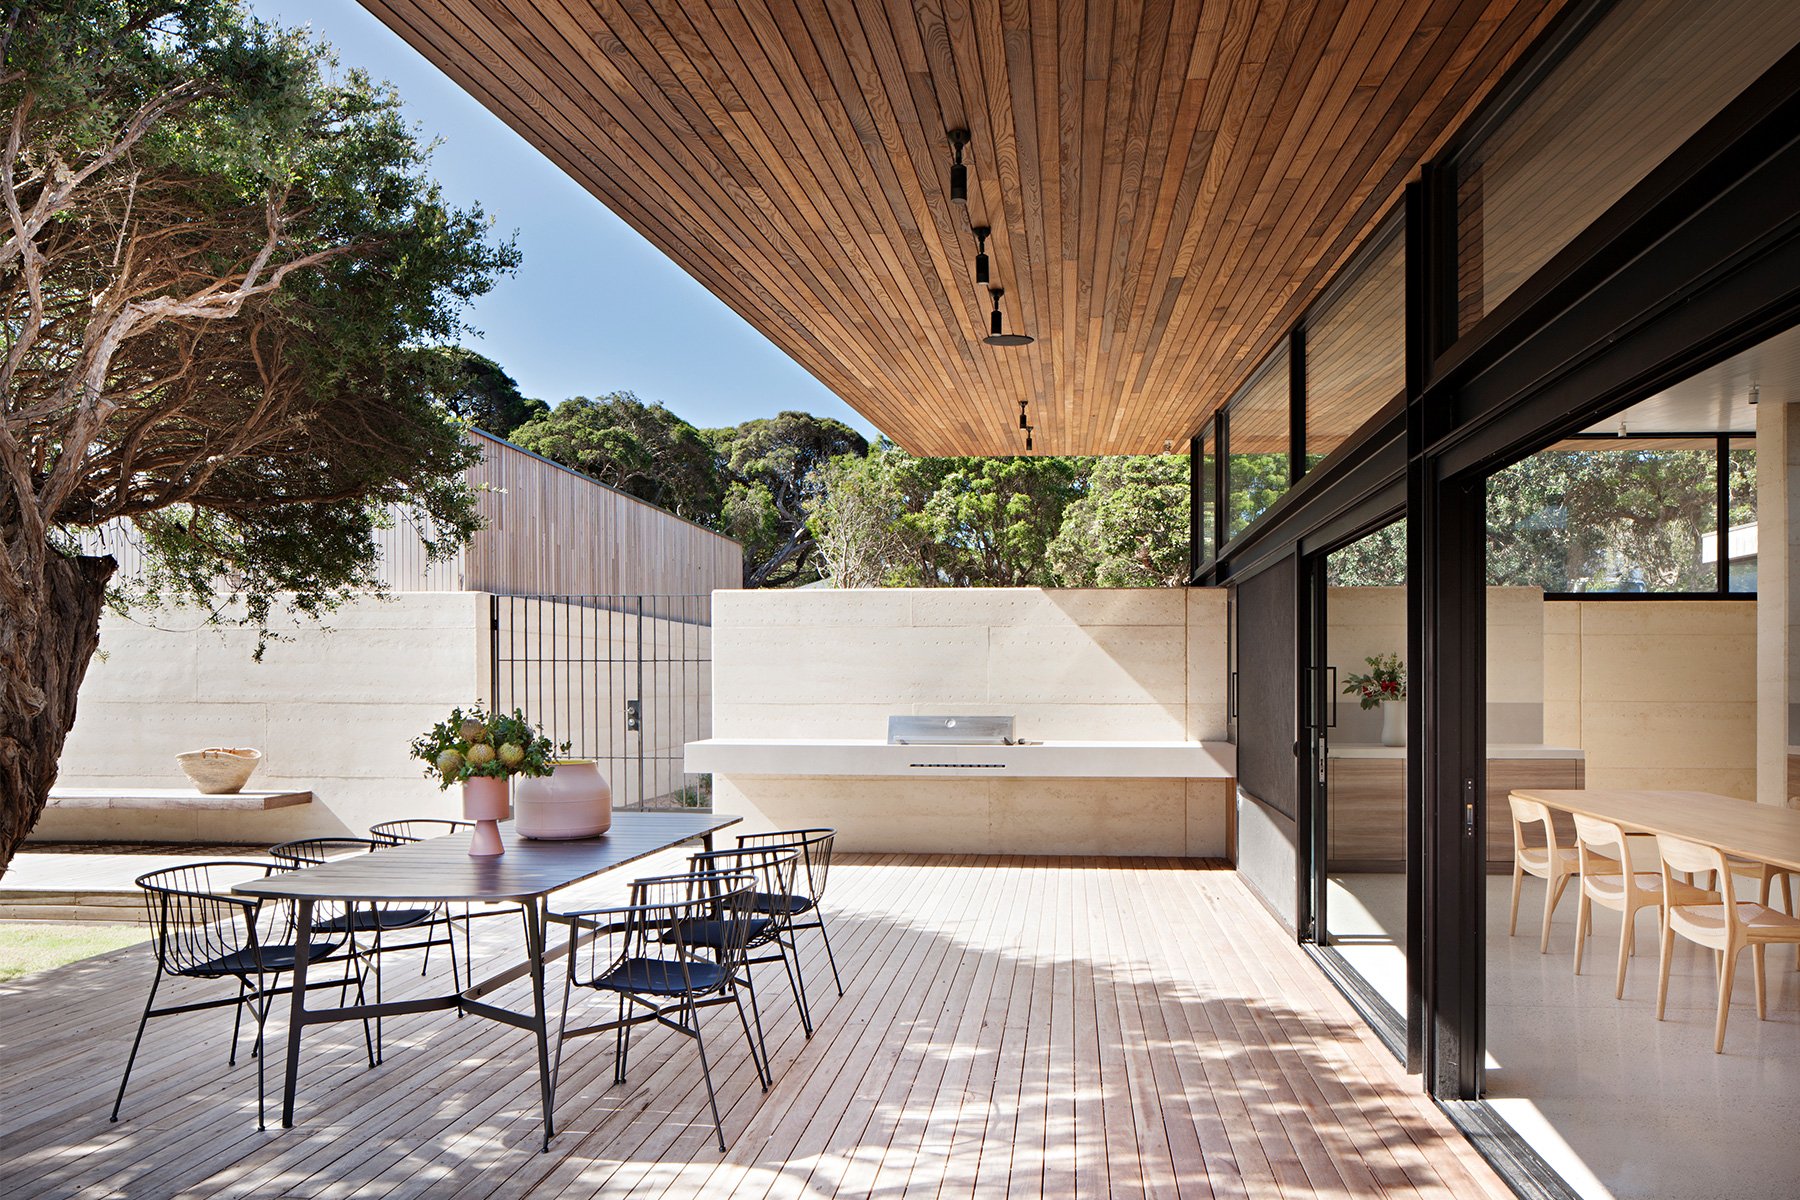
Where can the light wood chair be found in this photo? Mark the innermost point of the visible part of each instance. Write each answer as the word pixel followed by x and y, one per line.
pixel 1723 925
pixel 1601 847
pixel 1554 864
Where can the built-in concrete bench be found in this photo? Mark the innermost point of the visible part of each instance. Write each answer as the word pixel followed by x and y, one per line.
pixel 173 799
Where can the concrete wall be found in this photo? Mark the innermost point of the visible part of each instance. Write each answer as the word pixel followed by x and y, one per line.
pixel 1660 693
pixel 1362 622
pixel 333 710
pixel 1111 665
pixel 1777 603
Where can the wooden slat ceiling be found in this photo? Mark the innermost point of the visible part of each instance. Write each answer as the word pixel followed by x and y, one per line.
pixel 1168 181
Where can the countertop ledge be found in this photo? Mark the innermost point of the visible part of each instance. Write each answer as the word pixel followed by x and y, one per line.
pixel 873 758
pixel 1494 750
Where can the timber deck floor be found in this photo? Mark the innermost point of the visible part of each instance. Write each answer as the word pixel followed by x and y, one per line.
pixel 1010 1026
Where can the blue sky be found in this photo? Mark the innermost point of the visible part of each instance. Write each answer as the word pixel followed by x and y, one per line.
pixel 595 308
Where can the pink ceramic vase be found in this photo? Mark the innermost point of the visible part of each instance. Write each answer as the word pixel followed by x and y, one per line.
pixel 485 803
pixel 573 801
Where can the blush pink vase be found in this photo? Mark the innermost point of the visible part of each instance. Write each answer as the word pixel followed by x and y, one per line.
pixel 485 803
pixel 573 801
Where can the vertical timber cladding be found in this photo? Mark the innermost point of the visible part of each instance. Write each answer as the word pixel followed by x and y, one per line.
pixel 1268 666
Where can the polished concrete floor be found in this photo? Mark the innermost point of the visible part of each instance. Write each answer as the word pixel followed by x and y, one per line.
pixel 1621 1104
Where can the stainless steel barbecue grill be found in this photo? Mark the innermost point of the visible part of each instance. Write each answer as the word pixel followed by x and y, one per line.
pixel 951 731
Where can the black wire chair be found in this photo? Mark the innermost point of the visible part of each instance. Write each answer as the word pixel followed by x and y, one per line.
pixel 202 931
pixel 814 848
pixel 419 829
pixel 774 870
pixel 677 947
pixel 368 926
pixel 422 829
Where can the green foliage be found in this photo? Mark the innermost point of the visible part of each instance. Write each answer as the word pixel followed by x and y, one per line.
pixel 472 743
pixel 256 232
pixel 862 517
pixel 992 519
pixel 770 466
pixel 1378 560
pixel 1130 527
pixel 1604 520
pixel 476 388
pixel 1385 680
pixel 640 448
pixel 1252 483
pixel 893 519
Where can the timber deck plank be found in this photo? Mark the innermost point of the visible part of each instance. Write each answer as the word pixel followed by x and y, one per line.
pixel 1010 1025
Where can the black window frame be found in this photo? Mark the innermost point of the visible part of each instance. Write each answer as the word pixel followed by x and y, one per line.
pixel 1721 516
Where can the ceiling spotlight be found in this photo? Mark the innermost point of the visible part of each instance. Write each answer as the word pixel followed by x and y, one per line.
pixel 996 337
pixel 959 174
pixel 1023 423
pixel 1028 431
pixel 981 258
pixel 1168 445
pixel 1755 392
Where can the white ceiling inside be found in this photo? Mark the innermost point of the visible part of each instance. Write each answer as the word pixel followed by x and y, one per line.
pixel 1717 400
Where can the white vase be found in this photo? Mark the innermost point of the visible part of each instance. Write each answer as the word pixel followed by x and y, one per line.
pixel 1393 722
pixel 573 801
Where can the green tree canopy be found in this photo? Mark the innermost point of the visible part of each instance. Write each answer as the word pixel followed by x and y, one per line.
pixel 639 447
pixel 949 522
pixel 771 466
pixel 221 256
pixel 479 390
pixel 1130 527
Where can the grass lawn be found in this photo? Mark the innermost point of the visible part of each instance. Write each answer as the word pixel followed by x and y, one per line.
pixel 27 947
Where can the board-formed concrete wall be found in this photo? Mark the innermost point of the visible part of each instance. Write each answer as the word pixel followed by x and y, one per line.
pixel 1660 693
pixel 1365 621
pixel 1074 664
pixel 333 708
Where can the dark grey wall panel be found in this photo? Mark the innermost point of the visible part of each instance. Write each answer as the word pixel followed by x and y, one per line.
pixel 1268 670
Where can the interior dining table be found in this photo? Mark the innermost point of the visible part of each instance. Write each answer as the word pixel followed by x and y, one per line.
pixel 441 870
pixel 1765 833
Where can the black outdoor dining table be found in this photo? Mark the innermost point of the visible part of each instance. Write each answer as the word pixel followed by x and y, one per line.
pixel 440 870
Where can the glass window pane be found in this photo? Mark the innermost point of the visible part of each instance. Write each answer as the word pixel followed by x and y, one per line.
pixel 1607 515
pixel 1356 351
pixel 1643 81
pixel 1740 560
pixel 1257 438
pixel 1209 493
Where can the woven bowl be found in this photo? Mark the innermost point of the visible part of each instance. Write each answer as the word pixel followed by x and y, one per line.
pixel 220 771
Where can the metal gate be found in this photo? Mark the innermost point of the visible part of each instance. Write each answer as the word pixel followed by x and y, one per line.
pixel 626 680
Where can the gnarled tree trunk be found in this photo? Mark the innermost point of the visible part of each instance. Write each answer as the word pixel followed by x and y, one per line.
pixel 57 639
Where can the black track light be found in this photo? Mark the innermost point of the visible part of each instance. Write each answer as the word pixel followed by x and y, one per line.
pixel 1023 422
pixel 981 258
pixel 959 174
pixel 1028 432
pixel 996 336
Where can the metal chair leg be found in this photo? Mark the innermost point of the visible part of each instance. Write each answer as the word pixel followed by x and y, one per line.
pixel 624 1059
pixel 262 1016
pixel 706 1072
pixel 138 1040
pixel 796 981
pixel 829 956
pixel 763 1072
pixel 562 1026
pixel 237 1021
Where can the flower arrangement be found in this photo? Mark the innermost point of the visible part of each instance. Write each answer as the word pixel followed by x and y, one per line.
pixel 1386 680
pixel 471 744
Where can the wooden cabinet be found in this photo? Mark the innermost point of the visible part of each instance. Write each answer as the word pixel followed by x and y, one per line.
pixel 1366 813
